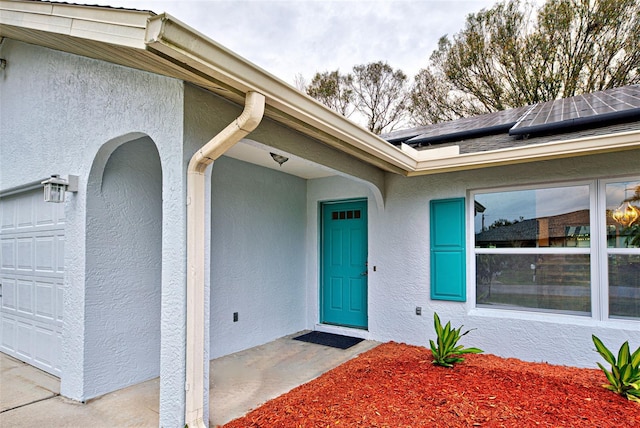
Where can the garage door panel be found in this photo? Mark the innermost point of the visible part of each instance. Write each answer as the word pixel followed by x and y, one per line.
pixel 60 254
pixel 59 300
pixel 8 295
pixel 24 212
pixel 49 214
pixel 45 301
pixel 31 273
pixel 7 212
pixel 57 365
pixel 25 297
pixel 24 254
pixel 45 246
pixel 45 215
pixel 8 334
pixel 24 339
pixel 8 248
pixel 44 346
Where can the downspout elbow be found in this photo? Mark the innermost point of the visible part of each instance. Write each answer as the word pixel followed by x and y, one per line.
pixel 244 124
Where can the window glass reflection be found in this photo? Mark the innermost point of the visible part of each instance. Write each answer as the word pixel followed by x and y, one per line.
pixel 624 286
pixel 623 215
pixel 554 282
pixel 553 217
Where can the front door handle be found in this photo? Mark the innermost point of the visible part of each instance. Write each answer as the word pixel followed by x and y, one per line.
pixel 365 273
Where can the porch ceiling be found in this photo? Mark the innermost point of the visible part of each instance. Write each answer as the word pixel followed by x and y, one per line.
pixel 259 154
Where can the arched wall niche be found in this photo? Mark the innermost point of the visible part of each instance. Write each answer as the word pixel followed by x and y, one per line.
pixel 123 265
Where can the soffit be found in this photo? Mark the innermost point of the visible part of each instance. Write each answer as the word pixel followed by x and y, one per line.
pixel 137 58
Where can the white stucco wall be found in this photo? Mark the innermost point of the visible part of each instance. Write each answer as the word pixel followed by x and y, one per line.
pixel 257 255
pixel 401 240
pixel 123 281
pixel 57 112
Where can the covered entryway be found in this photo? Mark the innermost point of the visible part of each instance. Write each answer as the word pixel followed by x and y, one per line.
pixel 343 293
pixel 31 274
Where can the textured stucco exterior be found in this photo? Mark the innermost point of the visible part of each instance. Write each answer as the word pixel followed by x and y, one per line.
pixel 129 134
pixel 402 281
pixel 258 255
pixel 123 281
pixel 66 114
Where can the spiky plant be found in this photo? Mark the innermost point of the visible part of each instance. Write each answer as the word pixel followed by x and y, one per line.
pixel 448 352
pixel 624 377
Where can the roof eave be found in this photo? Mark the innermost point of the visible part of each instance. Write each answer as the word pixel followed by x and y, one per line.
pixel 124 27
pixel 167 46
pixel 173 39
pixel 536 152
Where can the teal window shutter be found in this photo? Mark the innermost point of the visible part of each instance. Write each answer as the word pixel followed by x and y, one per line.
pixel 448 267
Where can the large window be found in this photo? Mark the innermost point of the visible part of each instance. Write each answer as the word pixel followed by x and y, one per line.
pixel 558 249
pixel 622 249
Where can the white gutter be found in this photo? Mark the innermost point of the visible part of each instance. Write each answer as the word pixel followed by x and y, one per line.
pixel 590 145
pixel 234 132
pixel 176 40
pixel 184 53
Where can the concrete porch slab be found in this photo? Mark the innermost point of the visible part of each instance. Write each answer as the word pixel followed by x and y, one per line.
pixel 238 383
pixel 245 380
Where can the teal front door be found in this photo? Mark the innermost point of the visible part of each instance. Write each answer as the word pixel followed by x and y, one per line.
pixel 343 293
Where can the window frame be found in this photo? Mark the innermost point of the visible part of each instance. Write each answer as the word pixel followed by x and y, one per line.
pixel 605 250
pixel 597 250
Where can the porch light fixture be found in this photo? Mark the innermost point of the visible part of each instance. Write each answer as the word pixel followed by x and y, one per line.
pixel 279 158
pixel 56 187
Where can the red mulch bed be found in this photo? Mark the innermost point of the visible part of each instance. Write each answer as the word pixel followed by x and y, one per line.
pixel 395 385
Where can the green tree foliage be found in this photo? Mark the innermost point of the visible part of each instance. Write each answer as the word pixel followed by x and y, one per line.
pixel 333 90
pixel 377 91
pixel 513 55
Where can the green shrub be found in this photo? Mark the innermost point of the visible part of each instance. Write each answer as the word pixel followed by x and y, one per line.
pixel 624 377
pixel 448 352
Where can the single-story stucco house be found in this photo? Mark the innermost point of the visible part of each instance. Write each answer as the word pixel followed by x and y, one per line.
pixel 512 223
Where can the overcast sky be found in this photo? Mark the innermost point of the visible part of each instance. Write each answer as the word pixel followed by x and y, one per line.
pixel 288 37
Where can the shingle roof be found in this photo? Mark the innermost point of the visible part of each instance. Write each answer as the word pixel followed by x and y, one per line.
pixel 526 230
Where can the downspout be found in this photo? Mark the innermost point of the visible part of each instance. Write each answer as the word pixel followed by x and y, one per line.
pixel 234 132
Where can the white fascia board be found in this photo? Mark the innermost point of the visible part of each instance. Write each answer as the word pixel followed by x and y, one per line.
pixel 430 154
pixel 535 152
pixel 163 33
pixel 169 36
pixel 115 26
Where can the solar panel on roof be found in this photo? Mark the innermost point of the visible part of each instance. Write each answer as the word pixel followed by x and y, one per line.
pixel 557 115
pixel 404 134
pixel 613 104
pixel 469 127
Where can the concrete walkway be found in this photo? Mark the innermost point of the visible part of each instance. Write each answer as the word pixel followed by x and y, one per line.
pixel 238 383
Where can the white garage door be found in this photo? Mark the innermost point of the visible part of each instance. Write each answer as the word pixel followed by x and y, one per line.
pixel 31 278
